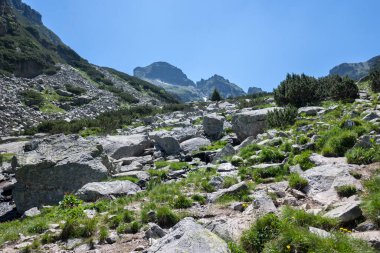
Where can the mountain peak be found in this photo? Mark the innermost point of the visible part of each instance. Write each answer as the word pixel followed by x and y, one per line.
pixel 164 72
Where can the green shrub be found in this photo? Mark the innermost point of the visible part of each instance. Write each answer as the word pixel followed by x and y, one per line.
pixel 275 171
pixel 235 248
pixel 166 218
pixel 290 233
pixel 375 80
pixel 135 227
pixel 215 96
pixel 270 155
pixel 297 182
pixel 199 198
pixel 249 151
pixel 305 219
pixel 69 230
pixel 281 118
pixel 297 90
pixel 32 98
pixel 91 131
pixel 361 155
pixel 108 121
pixel 70 201
pixel 214 146
pixel 207 187
pixel 182 202
pixel 339 144
pixel 346 190
pixel 265 229
pixel 303 159
pixel 48 238
pixel 302 90
pixel 6 157
pixel 345 89
pixel 38 228
pixel 103 234
pixel 229 181
pixel 371 199
pixel 75 89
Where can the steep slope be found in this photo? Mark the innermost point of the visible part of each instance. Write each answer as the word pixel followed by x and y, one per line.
pixel 42 79
pixel 224 86
pixel 356 70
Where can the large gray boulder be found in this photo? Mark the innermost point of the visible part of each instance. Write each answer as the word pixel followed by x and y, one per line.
pixel 262 205
pixel 96 190
pixel 322 181
pixel 213 126
pixel 121 146
pixel 347 212
pixel 168 144
pixel 250 123
pixel 189 236
pixel 194 144
pixel 55 166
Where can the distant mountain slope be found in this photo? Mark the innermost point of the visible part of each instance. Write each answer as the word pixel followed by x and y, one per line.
pixel 174 81
pixel 224 86
pixel 254 90
pixel 355 70
pixel 164 72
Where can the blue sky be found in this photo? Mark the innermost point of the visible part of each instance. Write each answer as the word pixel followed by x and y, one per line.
pixel 250 42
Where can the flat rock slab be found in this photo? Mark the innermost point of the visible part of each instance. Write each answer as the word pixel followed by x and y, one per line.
pixel 346 212
pixel 319 160
pixel 189 236
pixel 96 190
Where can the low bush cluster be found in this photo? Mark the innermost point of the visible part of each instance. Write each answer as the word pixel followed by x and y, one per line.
pixel 32 98
pixel 290 233
pixel 281 118
pixel 302 90
pixel 371 199
pixel 297 182
pixel 346 190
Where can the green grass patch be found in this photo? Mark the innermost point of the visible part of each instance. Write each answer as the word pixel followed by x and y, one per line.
pixel 361 155
pixel 346 190
pixel 214 146
pixel 297 182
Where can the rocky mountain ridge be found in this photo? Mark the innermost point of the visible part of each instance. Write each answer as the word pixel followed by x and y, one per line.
pixel 356 71
pixel 173 80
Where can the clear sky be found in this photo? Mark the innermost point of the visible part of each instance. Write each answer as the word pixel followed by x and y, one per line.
pixel 250 42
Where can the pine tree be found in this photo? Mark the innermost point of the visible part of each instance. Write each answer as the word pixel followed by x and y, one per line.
pixel 216 95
